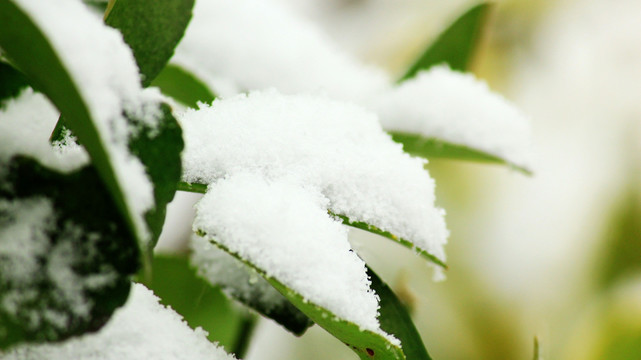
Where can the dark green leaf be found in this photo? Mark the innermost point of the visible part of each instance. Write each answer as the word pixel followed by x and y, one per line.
pixel 456 45
pixel 152 28
pixel 395 320
pixel 367 344
pixel 178 286
pixel 81 261
pixel 183 86
pixel 429 148
pixel 159 151
pixel 11 82
pixel 40 63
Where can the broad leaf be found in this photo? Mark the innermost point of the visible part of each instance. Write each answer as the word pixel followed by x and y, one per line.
pixel 66 255
pixel 396 320
pixel 11 82
pixel 202 189
pixel 183 86
pixel 429 148
pixel 152 29
pixel 456 45
pixel 367 344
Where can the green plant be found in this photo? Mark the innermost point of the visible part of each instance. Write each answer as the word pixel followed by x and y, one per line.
pixel 90 207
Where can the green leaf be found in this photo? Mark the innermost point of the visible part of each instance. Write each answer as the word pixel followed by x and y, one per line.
pixel 200 304
pixel 40 63
pixel 12 82
pixel 159 151
pixel 201 189
pixel 456 45
pixel 72 268
pixel 367 344
pixel 622 255
pixel 395 320
pixel 152 29
pixel 430 148
pixel 183 86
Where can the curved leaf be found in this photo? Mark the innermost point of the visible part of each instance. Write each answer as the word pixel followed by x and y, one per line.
pixel 429 148
pixel 202 189
pixel 456 45
pixel 183 86
pixel 367 344
pixel 63 272
pixel 152 29
pixel 396 320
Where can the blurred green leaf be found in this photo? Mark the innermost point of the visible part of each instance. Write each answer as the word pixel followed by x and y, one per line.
pixel 395 320
pixel 83 261
pixel 201 304
pixel 429 148
pixel 622 255
pixel 152 28
pixel 456 45
pixel 12 82
pixel 367 344
pixel 183 86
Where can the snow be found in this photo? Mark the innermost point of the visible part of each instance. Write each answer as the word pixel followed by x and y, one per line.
pixel 283 229
pixel 104 72
pixel 245 45
pixel 338 149
pixel 256 44
pixel 26 123
pixel 142 329
pixel 235 278
pixel 458 108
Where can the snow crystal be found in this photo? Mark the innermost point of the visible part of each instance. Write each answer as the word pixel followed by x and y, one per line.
pixel 336 148
pixel 25 125
pixel 244 45
pixel 234 277
pixel 283 228
pixel 457 108
pixel 104 71
pixel 142 329
pixel 256 44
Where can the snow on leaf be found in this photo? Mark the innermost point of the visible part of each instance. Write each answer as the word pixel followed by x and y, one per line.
pixel 336 148
pixel 92 78
pixel 240 282
pixel 142 329
pixel 254 45
pixel 458 109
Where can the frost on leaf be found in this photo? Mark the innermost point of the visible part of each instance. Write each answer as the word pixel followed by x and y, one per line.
pixel 242 45
pixel 142 329
pixel 241 282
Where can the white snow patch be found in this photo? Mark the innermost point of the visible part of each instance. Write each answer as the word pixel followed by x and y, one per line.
pixel 26 122
pixel 284 230
pixel 142 329
pixel 104 72
pixel 257 44
pixel 458 108
pixel 335 148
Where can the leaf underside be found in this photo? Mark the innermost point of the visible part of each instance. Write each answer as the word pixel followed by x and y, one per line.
pixel 89 225
pixel 366 344
pixel 456 45
pixel 431 148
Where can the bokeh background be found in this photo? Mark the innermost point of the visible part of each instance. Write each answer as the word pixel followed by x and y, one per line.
pixel 556 255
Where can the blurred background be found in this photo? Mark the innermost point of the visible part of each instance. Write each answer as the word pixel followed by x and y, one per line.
pixel 556 255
